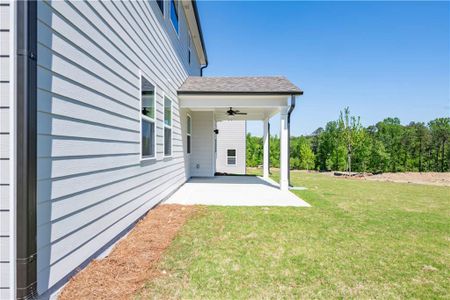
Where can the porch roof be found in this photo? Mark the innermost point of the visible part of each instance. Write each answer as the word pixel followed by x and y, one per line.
pixel 255 85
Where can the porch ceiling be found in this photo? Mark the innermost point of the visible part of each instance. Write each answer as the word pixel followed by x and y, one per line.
pixel 255 107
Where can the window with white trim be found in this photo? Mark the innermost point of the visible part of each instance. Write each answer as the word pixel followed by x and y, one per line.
pixel 189 48
pixel 231 156
pixel 161 5
pixel 147 119
pixel 189 133
pixel 174 14
pixel 167 126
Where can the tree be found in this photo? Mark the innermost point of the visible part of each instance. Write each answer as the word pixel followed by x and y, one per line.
pixel 352 134
pixel 440 132
pixel 307 157
pixel 254 150
pixel 389 132
pixel 420 141
pixel 345 144
pixel 274 151
pixel 330 152
pixel 302 156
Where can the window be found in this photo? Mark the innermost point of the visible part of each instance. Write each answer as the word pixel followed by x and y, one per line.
pixel 231 156
pixel 167 126
pixel 189 132
pixel 161 5
pixel 189 48
pixel 174 13
pixel 147 119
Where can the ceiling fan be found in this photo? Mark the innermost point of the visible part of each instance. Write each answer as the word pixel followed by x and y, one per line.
pixel 231 112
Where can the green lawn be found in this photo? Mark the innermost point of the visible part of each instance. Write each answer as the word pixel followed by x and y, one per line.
pixel 360 239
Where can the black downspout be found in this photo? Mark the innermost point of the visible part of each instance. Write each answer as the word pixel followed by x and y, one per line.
pixel 291 108
pixel 203 67
pixel 197 17
pixel 26 149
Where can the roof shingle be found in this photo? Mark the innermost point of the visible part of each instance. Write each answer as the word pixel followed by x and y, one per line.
pixel 239 85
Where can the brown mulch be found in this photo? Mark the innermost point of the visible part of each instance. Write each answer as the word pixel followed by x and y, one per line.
pixel 134 259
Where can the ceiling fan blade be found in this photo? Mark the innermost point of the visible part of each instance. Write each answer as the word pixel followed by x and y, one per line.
pixel 239 113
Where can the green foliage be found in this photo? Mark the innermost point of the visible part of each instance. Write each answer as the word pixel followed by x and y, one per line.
pixel 345 144
pixel 302 156
pixel 254 150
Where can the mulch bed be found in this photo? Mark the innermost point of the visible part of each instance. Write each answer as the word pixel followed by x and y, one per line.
pixel 133 261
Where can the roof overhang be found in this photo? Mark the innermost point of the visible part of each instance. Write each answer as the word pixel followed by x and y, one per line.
pixel 242 85
pixel 259 97
pixel 193 20
pixel 256 106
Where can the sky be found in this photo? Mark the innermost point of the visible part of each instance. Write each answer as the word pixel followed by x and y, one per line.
pixel 381 59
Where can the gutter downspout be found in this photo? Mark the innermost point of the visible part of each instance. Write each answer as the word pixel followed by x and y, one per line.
pixel 203 67
pixel 291 108
pixel 197 17
pixel 26 149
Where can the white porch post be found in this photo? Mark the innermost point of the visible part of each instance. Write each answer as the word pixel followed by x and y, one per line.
pixel 266 150
pixel 284 150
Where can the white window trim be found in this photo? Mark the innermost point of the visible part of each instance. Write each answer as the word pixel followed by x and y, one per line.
pixel 141 116
pixel 235 157
pixel 167 126
pixel 188 133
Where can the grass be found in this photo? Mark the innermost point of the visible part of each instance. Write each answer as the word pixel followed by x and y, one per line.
pixel 360 239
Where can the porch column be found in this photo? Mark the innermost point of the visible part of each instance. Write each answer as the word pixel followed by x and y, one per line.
pixel 266 151
pixel 284 150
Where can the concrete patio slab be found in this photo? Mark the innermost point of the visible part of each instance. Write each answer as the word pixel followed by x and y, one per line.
pixel 234 191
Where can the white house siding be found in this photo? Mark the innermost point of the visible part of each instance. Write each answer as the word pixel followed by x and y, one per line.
pixel 6 136
pixel 91 183
pixel 202 156
pixel 231 136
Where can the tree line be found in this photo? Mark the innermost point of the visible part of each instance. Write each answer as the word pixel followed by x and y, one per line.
pixel 345 145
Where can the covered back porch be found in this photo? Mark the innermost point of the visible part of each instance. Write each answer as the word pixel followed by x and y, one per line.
pixel 234 191
pixel 208 100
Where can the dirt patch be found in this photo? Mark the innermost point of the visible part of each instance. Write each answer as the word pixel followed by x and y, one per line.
pixel 430 178
pixel 134 259
pixel 433 178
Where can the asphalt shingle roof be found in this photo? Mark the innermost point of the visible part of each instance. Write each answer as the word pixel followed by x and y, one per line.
pixel 239 85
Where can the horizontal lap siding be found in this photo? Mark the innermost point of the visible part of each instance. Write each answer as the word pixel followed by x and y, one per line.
pixel 202 156
pixel 231 136
pixel 5 162
pixel 91 182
